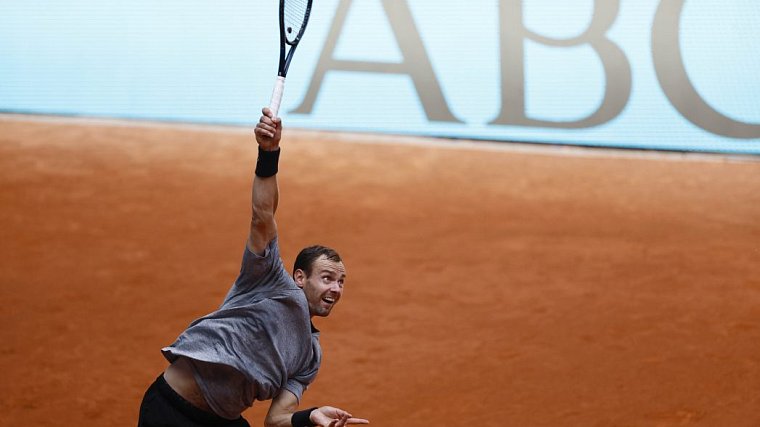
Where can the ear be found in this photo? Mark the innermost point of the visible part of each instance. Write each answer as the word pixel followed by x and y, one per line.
pixel 299 276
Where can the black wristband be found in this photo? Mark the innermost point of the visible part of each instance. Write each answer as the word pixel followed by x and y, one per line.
pixel 266 164
pixel 301 418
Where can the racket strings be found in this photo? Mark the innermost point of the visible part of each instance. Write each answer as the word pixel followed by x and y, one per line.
pixel 294 14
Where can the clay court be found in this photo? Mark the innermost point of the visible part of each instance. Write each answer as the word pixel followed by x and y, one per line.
pixel 488 285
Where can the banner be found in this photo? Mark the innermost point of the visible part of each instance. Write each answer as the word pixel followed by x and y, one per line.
pixel 652 74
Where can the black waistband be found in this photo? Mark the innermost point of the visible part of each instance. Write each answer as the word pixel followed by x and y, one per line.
pixel 188 409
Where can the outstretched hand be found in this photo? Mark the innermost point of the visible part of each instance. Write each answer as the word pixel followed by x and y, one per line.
pixel 268 131
pixel 327 416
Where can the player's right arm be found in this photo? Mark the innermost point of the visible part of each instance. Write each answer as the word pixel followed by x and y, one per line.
pixel 265 191
pixel 285 404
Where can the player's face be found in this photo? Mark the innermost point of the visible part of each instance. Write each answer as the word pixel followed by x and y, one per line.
pixel 324 287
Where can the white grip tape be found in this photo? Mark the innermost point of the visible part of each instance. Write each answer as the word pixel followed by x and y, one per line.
pixel 279 87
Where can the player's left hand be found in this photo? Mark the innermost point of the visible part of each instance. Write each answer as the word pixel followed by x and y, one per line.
pixel 327 416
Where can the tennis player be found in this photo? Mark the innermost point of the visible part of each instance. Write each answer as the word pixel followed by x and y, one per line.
pixel 260 344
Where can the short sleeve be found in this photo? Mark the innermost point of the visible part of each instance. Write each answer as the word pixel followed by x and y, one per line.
pixel 254 267
pixel 260 273
pixel 300 382
pixel 296 387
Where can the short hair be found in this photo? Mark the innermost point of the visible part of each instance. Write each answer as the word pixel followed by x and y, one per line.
pixel 307 256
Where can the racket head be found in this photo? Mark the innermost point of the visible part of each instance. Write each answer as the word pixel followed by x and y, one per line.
pixel 294 15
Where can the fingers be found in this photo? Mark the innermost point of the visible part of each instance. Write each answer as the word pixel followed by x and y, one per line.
pixel 269 124
pixel 348 419
pixel 342 420
pixel 271 127
pixel 264 132
pixel 345 419
pixel 335 417
pixel 267 113
pixel 269 121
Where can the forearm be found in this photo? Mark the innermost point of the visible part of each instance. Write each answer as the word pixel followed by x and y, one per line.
pixel 279 420
pixel 287 416
pixel 265 194
pixel 282 413
pixel 281 410
pixel 264 199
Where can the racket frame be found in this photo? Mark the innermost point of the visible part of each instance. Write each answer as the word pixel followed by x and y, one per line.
pixel 286 57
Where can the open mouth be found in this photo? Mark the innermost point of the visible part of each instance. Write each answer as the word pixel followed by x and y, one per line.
pixel 329 300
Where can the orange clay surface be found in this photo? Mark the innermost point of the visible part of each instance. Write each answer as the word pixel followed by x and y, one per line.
pixel 523 287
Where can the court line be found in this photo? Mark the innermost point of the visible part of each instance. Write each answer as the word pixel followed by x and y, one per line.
pixel 405 140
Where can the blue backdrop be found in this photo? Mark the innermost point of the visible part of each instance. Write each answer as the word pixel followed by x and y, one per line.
pixel 661 74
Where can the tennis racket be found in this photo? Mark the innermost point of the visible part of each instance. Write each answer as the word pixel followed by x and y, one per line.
pixel 294 15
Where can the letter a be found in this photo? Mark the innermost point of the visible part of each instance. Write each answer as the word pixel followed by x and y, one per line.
pixel 416 63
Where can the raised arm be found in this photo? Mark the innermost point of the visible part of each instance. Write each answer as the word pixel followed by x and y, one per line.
pixel 281 414
pixel 265 192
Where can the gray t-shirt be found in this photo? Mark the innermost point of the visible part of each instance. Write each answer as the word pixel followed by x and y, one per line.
pixel 258 343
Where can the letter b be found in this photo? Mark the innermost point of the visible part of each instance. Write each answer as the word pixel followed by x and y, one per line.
pixel 616 66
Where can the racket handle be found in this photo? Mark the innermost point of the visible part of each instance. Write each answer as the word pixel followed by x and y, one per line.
pixel 279 87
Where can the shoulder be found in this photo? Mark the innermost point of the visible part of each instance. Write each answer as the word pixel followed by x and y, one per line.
pixel 270 253
pixel 261 274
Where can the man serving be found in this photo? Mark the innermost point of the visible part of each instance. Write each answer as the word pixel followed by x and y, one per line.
pixel 260 344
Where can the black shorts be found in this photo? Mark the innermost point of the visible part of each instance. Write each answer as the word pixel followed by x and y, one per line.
pixel 163 407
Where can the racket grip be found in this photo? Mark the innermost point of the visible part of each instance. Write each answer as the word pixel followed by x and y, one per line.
pixel 279 87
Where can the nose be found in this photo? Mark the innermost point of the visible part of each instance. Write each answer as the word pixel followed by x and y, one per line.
pixel 336 288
